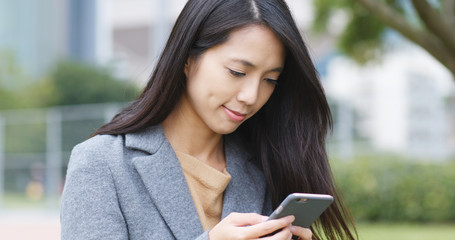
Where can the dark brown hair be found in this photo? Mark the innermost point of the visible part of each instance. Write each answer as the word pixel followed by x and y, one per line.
pixel 288 134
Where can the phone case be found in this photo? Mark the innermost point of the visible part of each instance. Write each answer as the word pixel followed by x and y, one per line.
pixel 305 207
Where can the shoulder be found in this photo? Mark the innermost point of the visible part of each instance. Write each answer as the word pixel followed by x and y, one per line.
pixel 114 149
pixel 90 194
pixel 99 144
pixel 94 152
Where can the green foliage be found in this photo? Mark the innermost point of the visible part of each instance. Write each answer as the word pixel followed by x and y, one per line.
pixel 6 99
pixel 38 94
pixel 324 9
pixel 363 37
pixel 78 83
pixel 69 83
pixel 400 231
pixel 26 138
pixel 392 189
pixel 11 74
pixel 12 80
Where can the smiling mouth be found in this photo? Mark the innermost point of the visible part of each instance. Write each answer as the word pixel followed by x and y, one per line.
pixel 233 115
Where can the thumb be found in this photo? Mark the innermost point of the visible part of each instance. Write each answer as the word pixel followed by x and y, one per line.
pixel 245 219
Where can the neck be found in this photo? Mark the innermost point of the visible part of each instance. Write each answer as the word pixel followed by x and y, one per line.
pixel 187 133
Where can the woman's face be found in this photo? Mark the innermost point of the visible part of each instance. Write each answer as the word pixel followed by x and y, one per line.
pixel 230 82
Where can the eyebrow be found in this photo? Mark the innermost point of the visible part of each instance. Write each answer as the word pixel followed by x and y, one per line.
pixel 249 64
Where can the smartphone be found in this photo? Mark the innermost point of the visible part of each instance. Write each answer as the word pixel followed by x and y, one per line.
pixel 306 207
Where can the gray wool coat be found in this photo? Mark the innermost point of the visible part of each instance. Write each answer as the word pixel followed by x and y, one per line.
pixel 132 187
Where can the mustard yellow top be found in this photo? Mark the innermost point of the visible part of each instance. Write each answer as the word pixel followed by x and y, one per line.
pixel 206 186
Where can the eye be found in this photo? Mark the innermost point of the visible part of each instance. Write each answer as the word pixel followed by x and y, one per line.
pixel 272 81
pixel 236 74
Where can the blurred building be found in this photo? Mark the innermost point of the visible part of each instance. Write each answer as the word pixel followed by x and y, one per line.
pixel 400 104
pixel 89 30
pixel 125 34
pixel 107 32
pixel 140 29
pixel 39 33
pixel 34 32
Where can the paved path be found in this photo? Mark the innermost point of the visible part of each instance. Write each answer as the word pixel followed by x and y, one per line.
pixel 29 225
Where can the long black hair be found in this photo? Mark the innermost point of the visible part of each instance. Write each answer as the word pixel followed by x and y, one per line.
pixel 288 134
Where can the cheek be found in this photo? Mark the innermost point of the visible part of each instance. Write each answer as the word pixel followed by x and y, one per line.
pixel 206 89
pixel 265 94
pixel 263 97
pixel 202 79
pixel 197 83
pixel 218 88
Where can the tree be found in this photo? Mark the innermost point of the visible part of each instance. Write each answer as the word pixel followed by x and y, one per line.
pixel 68 83
pixel 78 83
pixel 429 24
pixel 12 80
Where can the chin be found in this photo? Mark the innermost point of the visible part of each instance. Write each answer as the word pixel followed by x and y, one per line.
pixel 225 129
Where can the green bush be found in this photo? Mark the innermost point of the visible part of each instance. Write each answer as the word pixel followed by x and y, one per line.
pixel 81 83
pixel 393 189
pixel 69 83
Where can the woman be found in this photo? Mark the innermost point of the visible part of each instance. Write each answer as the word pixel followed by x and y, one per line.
pixel 232 120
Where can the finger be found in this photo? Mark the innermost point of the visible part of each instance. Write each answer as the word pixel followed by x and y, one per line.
pixel 270 226
pixel 245 219
pixel 285 233
pixel 303 233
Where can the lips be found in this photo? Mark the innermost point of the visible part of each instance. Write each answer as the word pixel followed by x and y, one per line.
pixel 233 115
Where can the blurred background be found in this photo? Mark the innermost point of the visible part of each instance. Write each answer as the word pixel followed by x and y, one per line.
pixel 388 67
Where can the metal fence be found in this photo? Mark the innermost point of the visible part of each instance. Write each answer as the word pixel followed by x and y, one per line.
pixel 35 145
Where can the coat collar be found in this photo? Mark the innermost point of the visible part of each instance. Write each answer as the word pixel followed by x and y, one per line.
pixel 149 140
pixel 164 179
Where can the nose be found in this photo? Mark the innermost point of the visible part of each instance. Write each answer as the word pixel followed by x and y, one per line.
pixel 249 91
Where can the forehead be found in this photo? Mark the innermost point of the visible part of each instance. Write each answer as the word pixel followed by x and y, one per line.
pixel 256 44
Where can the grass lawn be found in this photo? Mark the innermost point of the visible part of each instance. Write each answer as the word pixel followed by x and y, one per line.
pixel 367 231
pixel 401 231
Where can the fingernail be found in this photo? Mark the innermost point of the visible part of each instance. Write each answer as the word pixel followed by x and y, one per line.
pixel 291 218
pixel 264 218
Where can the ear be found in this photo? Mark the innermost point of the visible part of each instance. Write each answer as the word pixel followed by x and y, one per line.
pixel 187 67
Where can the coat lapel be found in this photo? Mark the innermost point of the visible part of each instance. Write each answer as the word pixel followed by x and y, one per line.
pixel 163 177
pixel 246 190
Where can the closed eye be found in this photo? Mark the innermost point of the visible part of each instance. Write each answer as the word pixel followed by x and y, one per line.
pixel 272 81
pixel 236 74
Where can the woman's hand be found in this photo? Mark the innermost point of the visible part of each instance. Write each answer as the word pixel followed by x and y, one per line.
pixel 253 226
pixel 302 233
